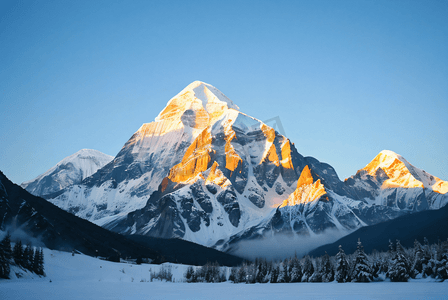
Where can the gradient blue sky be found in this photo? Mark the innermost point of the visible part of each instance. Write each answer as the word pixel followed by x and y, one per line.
pixel 347 78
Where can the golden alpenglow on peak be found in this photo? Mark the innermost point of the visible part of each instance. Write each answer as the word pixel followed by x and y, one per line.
pixel 232 158
pixel 185 116
pixel 306 190
pixel 440 187
pixel 383 160
pixel 195 160
pixel 305 177
pixel 217 177
pixel 286 155
pixel 402 174
pixel 199 96
pixel 197 106
pixel 392 164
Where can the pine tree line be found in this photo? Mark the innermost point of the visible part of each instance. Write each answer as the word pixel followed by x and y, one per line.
pixel 27 257
pixel 398 264
pixel 210 272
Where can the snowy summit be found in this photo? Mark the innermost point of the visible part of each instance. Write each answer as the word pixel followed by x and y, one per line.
pixel 69 171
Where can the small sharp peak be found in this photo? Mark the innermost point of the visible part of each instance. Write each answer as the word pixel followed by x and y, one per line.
pixel 305 177
pixel 307 190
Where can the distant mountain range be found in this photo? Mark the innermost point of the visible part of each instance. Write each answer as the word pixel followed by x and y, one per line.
pixel 205 172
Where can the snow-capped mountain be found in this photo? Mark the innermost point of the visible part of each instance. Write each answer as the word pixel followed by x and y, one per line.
pixel 69 171
pixel 388 187
pixel 391 180
pixel 201 146
pixel 205 172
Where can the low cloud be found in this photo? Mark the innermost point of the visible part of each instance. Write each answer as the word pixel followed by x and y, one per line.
pixel 280 246
pixel 18 234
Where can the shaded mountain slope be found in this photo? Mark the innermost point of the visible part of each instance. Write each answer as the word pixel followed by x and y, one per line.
pixel 186 252
pixel 431 224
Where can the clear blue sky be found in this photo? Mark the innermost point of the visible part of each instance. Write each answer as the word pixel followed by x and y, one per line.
pixel 347 78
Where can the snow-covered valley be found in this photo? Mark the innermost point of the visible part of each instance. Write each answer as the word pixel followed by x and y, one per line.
pixel 84 277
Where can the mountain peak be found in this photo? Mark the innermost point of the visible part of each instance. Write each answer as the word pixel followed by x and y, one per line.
pixel 384 160
pixel 388 153
pixel 199 99
pixel 71 170
pixel 402 174
pixel 397 169
pixel 307 190
pixel 208 93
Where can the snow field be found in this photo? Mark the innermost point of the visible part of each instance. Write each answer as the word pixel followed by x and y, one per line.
pixel 84 277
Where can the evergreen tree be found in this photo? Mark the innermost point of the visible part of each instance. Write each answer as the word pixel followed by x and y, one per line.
pixel 41 268
pixel 17 253
pixel 307 268
pixel 427 270
pixel 361 271
pixel 399 268
pixel 342 266
pixel 28 257
pixel 4 265
pixel 269 268
pixel 36 255
pixel 317 275
pixel 376 263
pixel 208 273
pixel 442 267
pixel 217 276
pixel 241 274
pixel 282 269
pixel 233 275
pixel 223 276
pixel 287 271
pixel 5 246
pixel 5 256
pixel 212 273
pixel 274 273
pixel 199 274
pixel 251 271
pixel 296 271
pixel 327 269
pixel 290 266
pixel 417 265
pixel 189 274
pixel 391 249
pixel 261 271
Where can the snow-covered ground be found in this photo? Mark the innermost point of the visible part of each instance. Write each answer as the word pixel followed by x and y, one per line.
pixel 83 277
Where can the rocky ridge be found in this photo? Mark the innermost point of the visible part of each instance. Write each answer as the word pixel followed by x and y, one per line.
pixel 207 173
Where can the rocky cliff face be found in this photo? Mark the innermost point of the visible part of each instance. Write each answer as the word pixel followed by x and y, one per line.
pixel 232 174
pixel 207 173
pixel 388 187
